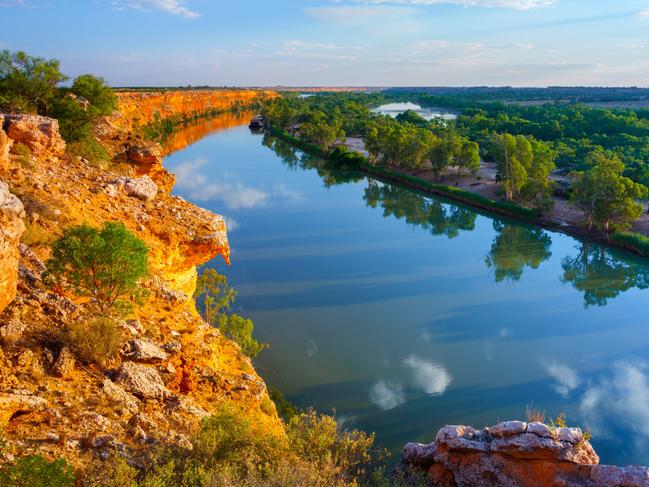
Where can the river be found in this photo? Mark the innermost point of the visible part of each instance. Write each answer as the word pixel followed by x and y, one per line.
pixel 403 312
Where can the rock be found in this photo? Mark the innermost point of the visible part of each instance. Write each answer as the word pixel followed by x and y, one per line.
pixel 144 154
pixel 539 429
pixel 12 331
pixel 173 347
pixel 64 364
pixel 11 229
pixel 5 147
pixel 19 402
pixel 141 381
pixel 40 134
pixel 119 396
pixel 142 188
pixel 514 453
pixel 143 351
pixel 508 428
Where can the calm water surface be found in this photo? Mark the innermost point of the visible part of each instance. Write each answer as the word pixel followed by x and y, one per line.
pixel 404 312
pixel 394 109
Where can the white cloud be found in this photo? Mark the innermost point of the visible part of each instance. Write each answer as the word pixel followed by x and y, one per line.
pixel 514 4
pixel 387 395
pixel 644 14
pixel 620 400
pixel 357 14
pixel 174 7
pixel 230 224
pixel 427 376
pixel 566 378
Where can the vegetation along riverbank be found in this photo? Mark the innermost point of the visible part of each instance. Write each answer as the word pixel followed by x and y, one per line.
pixel 575 186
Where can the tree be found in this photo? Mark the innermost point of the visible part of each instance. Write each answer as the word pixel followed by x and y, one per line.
pixel 88 99
pixel 538 187
pixel 106 265
pixel 607 198
pixel 512 155
pixel 469 158
pixel 28 83
pixel 217 297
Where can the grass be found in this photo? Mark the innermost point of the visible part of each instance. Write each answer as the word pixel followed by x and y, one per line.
pixel 93 341
pixel 37 236
pixel 631 241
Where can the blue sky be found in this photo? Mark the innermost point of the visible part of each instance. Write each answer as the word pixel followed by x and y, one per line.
pixel 338 42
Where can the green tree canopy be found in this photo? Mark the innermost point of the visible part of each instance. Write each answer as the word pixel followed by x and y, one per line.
pixel 607 198
pixel 105 264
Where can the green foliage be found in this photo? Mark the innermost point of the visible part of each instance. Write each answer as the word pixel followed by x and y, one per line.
pixel 93 340
pixel 116 472
pixel 105 264
pixel 240 330
pixel 88 148
pixel 231 450
pixel 36 471
pixel 21 149
pixel 285 409
pixel 632 240
pixel 28 84
pixel 217 298
pixel 607 198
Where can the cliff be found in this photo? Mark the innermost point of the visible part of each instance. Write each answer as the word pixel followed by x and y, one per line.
pixel 173 368
pixel 516 454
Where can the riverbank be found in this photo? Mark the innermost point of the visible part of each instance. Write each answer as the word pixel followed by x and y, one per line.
pixel 349 159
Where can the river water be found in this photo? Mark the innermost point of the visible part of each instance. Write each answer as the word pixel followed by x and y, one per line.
pixel 403 312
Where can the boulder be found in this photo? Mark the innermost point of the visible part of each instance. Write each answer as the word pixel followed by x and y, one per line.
pixel 144 154
pixel 5 147
pixel 119 396
pixel 12 404
pixel 143 351
pixel 64 364
pixel 142 188
pixel 141 381
pixel 514 453
pixel 11 331
pixel 11 229
pixel 40 134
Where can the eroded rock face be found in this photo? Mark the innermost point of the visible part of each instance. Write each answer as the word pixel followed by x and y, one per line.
pixel 515 453
pixel 11 229
pixel 40 134
pixel 5 146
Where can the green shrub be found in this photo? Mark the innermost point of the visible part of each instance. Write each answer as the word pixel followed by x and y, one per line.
pixel 36 471
pixel 116 472
pixel 632 241
pixel 36 236
pixel 93 341
pixel 21 149
pixel 88 148
pixel 105 264
pixel 217 298
pixel 240 330
pixel 285 409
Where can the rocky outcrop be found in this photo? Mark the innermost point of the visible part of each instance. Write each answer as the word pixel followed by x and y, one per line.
pixel 5 146
pixel 141 381
pixel 516 454
pixel 40 134
pixel 11 229
pixel 142 188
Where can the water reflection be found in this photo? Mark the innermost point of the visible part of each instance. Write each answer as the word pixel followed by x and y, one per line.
pixel 430 214
pixel 516 247
pixel 601 274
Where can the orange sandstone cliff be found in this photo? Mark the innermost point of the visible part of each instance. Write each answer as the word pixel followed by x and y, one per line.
pixel 173 369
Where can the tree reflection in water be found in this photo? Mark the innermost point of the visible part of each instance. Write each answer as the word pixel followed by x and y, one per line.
pixel 599 273
pixel 516 247
pixel 602 275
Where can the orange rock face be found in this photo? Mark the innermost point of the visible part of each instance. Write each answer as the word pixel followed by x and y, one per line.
pixel 11 229
pixel 141 108
pixel 40 134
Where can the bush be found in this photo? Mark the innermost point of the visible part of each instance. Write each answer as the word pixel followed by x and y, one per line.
pixel 36 236
pixel 240 330
pixel 89 149
pixel 95 340
pixel 217 297
pixel 36 471
pixel 21 149
pixel 632 241
pixel 105 264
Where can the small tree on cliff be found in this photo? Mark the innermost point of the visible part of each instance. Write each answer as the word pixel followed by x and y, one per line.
pixel 105 264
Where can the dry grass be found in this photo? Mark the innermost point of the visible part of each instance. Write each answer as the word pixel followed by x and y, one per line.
pixel 93 341
pixel 37 236
pixel 534 415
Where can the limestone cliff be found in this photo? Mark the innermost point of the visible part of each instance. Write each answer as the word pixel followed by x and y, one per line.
pixel 174 368
pixel 516 454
